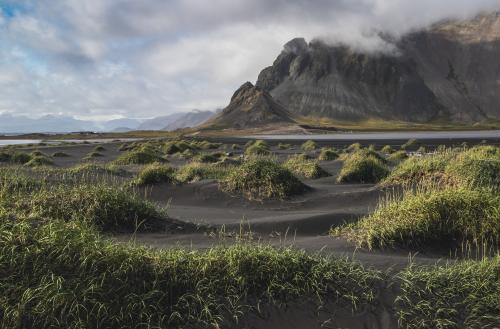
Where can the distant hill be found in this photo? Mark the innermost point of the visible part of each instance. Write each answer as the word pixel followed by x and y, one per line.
pixel 450 71
pixel 189 119
pixel 49 123
pixel 251 106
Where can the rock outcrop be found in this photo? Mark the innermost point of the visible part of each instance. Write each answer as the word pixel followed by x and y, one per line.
pixel 450 71
pixel 251 106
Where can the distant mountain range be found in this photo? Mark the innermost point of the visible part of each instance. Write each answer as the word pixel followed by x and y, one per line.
pixel 449 72
pixel 10 123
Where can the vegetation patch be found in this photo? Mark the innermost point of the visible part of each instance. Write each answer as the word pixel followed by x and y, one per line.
pixel 303 167
pixel 398 156
pixel 259 179
pixel 282 146
pixel 196 171
pixel 309 146
pixel 20 157
pixel 155 173
pixel 60 155
pixel 387 149
pixel 361 167
pixel 139 157
pixel 411 145
pixel 463 295
pixel 108 208
pixel 39 161
pixel 258 147
pixel 327 154
pixel 63 275
pixel 440 218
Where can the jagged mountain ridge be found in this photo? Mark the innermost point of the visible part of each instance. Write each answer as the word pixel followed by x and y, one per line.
pixel 450 71
pixel 251 106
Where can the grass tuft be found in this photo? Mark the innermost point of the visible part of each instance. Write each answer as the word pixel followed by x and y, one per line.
pixel 259 179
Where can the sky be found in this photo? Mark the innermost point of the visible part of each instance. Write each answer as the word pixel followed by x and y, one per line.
pixel 106 59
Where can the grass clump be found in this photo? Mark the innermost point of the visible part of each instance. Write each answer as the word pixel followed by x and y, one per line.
pixel 94 155
pixel 196 171
pixel 99 148
pixel 107 208
pixel 327 154
pixel 476 167
pixel 260 179
pixel 155 173
pixel 361 167
pixel 258 147
pixel 20 157
pixel 463 295
pixel 440 218
pixel 208 158
pixel 94 169
pixel 66 276
pixel 139 157
pixel 387 149
pixel 411 145
pixel 398 156
pixel 60 155
pixel 309 146
pixel 5 157
pixel 282 146
pixel 39 161
pixel 354 147
pixel 303 167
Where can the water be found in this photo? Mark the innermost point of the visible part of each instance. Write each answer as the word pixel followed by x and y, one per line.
pixel 404 135
pixel 5 142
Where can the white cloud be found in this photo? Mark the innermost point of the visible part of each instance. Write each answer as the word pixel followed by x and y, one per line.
pixel 143 58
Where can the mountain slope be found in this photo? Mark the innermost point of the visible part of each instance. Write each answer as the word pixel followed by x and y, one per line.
pixel 251 106
pixel 450 71
pixel 189 119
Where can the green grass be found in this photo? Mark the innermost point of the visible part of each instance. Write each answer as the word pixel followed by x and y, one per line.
pixel 387 149
pixel 465 295
pixel 257 148
pixel 196 171
pixel 327 154
pixel 139 157
pixel 301 166
pixel 283 146
pixel 398 156
pixel 107 208
pixel 5 157
pixel 94 154
pixel 94 169
pixel 60 155
pixel 20 157
pixel 476 167
pixel 38 161
pixel 362 167
pixel 99 148
pixel 64 275
pixel 259 179
pixel 208 158
pixel 441 219
pixel 411 145
pixel 155 173
pixel 354 147
pixel 309 146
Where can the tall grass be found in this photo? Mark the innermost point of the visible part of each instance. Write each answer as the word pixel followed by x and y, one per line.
pixel 362 167
pixel 307 168
pixel 450 218
pixel 62 275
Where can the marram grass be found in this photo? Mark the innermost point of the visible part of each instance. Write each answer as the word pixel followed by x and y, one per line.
pixel 303 167
pixel 63 275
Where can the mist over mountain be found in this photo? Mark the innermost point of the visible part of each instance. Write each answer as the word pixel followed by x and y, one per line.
pixel 450 71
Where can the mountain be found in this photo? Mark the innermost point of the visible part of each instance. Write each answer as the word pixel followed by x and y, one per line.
pixel 49 123
pixel 251 106
pixel 189 119
pixel 176 121
pixel 123 124
pixel 450 71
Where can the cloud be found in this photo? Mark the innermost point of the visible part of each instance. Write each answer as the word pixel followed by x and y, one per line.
pixel 144 58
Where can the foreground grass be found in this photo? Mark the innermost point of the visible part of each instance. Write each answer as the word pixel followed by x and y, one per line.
pixel 465 295
pixel 63 275
pixel 448 218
